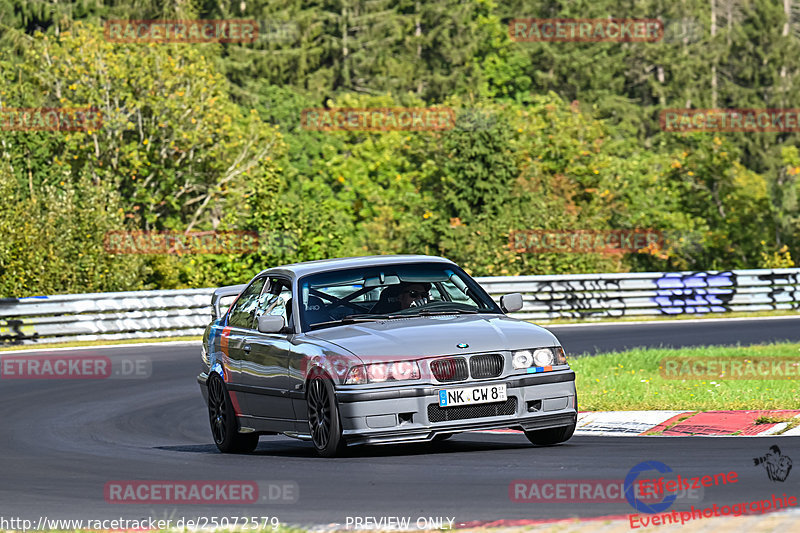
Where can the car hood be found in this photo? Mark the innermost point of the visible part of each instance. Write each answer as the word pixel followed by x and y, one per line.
pixel 434 336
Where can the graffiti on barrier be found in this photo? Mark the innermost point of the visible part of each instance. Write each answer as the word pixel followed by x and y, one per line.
pixel 12 333
pixel 783 289
pixel 581 298
pixel 697 292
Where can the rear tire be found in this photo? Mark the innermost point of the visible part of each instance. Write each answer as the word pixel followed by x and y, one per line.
pixel 221 416
pixel 549 437
pixel 323 417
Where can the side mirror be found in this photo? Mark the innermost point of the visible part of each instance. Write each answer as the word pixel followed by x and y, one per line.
pixel 511 303
pixel 271 323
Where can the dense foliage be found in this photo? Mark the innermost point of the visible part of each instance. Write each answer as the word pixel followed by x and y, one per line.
pixel 208 136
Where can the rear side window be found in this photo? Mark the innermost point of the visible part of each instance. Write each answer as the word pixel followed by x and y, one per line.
pixel 243 313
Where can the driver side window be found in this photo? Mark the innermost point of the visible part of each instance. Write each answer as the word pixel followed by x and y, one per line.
pixel 277 301
pixel 244 312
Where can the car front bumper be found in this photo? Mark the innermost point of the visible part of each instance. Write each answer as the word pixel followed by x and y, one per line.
pixel 410 414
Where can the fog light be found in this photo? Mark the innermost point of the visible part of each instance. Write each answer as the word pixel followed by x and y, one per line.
pixel 534 405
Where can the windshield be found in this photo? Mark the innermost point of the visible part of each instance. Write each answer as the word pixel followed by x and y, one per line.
pixel 390 291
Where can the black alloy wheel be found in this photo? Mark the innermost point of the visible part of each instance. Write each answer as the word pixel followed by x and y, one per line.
pixel 223 420
pixel 323 417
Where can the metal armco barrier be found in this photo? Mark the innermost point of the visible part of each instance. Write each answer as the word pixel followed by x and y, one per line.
pixel 104 315
pixel 650 293
pixel 151 314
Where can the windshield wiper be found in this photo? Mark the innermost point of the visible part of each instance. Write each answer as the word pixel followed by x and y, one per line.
pixel 451 312
pixel 352 319
pixel 372 316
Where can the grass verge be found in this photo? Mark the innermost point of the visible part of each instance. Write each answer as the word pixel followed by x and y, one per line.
pixel 632 380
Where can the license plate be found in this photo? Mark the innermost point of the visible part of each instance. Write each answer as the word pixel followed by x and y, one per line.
pixel 472 395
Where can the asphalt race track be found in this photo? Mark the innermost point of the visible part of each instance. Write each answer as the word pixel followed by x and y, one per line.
pixel 63 440
pixel 594 338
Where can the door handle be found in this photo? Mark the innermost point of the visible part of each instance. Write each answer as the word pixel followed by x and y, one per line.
pixel 246 348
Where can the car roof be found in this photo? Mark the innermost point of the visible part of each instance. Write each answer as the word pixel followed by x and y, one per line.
pixel 297 270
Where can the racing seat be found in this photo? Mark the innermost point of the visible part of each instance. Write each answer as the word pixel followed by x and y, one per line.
pixel 388 302
pixel 316 311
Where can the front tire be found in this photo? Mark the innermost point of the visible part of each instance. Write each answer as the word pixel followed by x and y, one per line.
pixel 323 417
pixel 549 437
pixel 222 418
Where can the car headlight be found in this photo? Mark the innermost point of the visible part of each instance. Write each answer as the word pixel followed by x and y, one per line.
pixel 522 359
pixel 538 358
pixel 543 357
pixel 382 372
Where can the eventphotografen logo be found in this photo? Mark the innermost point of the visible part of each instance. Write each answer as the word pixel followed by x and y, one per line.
pixel 182 31
pixel 585 30
pixel 775 463
pixel 640 504
pixel 775 503
pixel 666 488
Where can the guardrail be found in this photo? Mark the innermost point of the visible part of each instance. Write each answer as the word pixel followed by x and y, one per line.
pixel 177 313
pixel 650 293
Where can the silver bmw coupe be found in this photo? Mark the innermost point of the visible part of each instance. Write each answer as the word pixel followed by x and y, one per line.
pixel 373 350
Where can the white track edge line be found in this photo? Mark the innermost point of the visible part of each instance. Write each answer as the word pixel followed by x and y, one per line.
pixel 669 322
pixel 102 346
